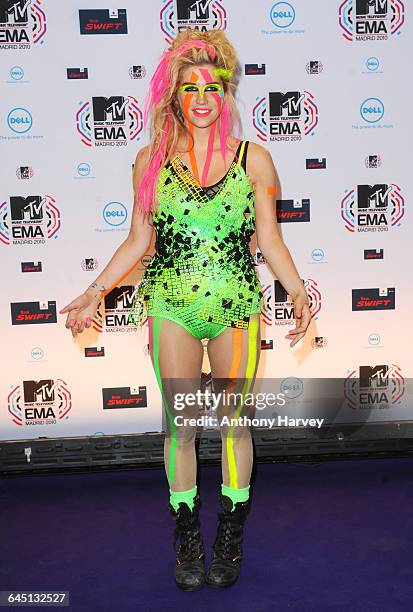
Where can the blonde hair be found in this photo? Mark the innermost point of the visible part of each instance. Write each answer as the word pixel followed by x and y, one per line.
pixel 189 48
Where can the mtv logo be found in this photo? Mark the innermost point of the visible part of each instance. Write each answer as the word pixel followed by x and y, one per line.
pixel 29 208
pixel 373 196
pixel 14 11
pixel 371 7
pixel 192 9
pixel 113 108
pixel 288 104
pixel 39 390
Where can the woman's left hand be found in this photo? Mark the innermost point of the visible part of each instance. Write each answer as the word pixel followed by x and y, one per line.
pixel 302 319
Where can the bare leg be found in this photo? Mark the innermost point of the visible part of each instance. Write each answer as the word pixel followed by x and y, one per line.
pixel 177 360
pixel 234 355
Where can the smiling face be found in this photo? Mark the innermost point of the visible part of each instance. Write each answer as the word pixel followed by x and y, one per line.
pixel 200 95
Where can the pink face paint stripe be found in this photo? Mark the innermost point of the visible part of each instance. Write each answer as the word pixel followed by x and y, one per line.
pixel 225 129
pixel 208 78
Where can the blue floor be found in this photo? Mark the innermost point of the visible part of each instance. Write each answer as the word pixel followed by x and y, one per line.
pixel 329 536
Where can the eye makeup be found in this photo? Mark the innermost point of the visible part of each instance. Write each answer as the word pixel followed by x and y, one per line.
pixel 207 88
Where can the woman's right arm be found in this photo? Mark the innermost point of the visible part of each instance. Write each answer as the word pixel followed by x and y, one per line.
pixel 83 308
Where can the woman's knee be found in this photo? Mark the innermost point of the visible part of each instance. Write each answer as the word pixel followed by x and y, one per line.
pixel 235 433
pixel 184 436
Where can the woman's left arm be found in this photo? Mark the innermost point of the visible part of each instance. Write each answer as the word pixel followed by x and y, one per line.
pixel 262 173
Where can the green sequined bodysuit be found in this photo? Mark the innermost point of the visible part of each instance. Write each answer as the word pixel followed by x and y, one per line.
pixel 202 275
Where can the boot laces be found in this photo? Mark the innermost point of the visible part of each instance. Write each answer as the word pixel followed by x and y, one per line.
pixel 189 542
pixel 229 537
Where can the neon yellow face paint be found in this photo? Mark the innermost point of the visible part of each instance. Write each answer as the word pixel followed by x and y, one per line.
pixel 202 90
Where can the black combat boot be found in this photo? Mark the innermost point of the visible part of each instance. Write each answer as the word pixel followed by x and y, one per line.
pixel 190 556
pixel 226 563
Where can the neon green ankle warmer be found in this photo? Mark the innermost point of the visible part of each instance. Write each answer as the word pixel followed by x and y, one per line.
pixel 176 497
pixel 236 495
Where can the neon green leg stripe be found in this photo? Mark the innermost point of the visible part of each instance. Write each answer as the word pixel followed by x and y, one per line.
pixel 251 364
pixel 156 325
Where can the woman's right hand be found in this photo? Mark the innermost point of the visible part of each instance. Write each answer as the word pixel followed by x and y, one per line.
pixel 81 312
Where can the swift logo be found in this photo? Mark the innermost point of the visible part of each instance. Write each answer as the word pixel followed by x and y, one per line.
pixel 24 313
pixel 374 299
pixel 290 211
pixel 103 21
pixel 124 397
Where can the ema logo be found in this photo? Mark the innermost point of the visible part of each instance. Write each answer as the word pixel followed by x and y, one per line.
pixel 178 15
pixel 22 24
pixel 89 264
pixel 31 220
pixel 117 306
pixel 319 342
pixel 24 172
pixel 377 208
pixel 372 161
pixel 370 19
pixel 40 402
pixel 103 21
pixel 137 72
pixel 109 121
pixel 285 116
pixel 278 309
pixel 314 67
pixel 380 386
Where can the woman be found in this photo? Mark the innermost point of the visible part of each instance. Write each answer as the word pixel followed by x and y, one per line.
pixel 205 192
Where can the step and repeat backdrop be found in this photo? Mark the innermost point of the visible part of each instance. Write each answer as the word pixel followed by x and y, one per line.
pixel 323 88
